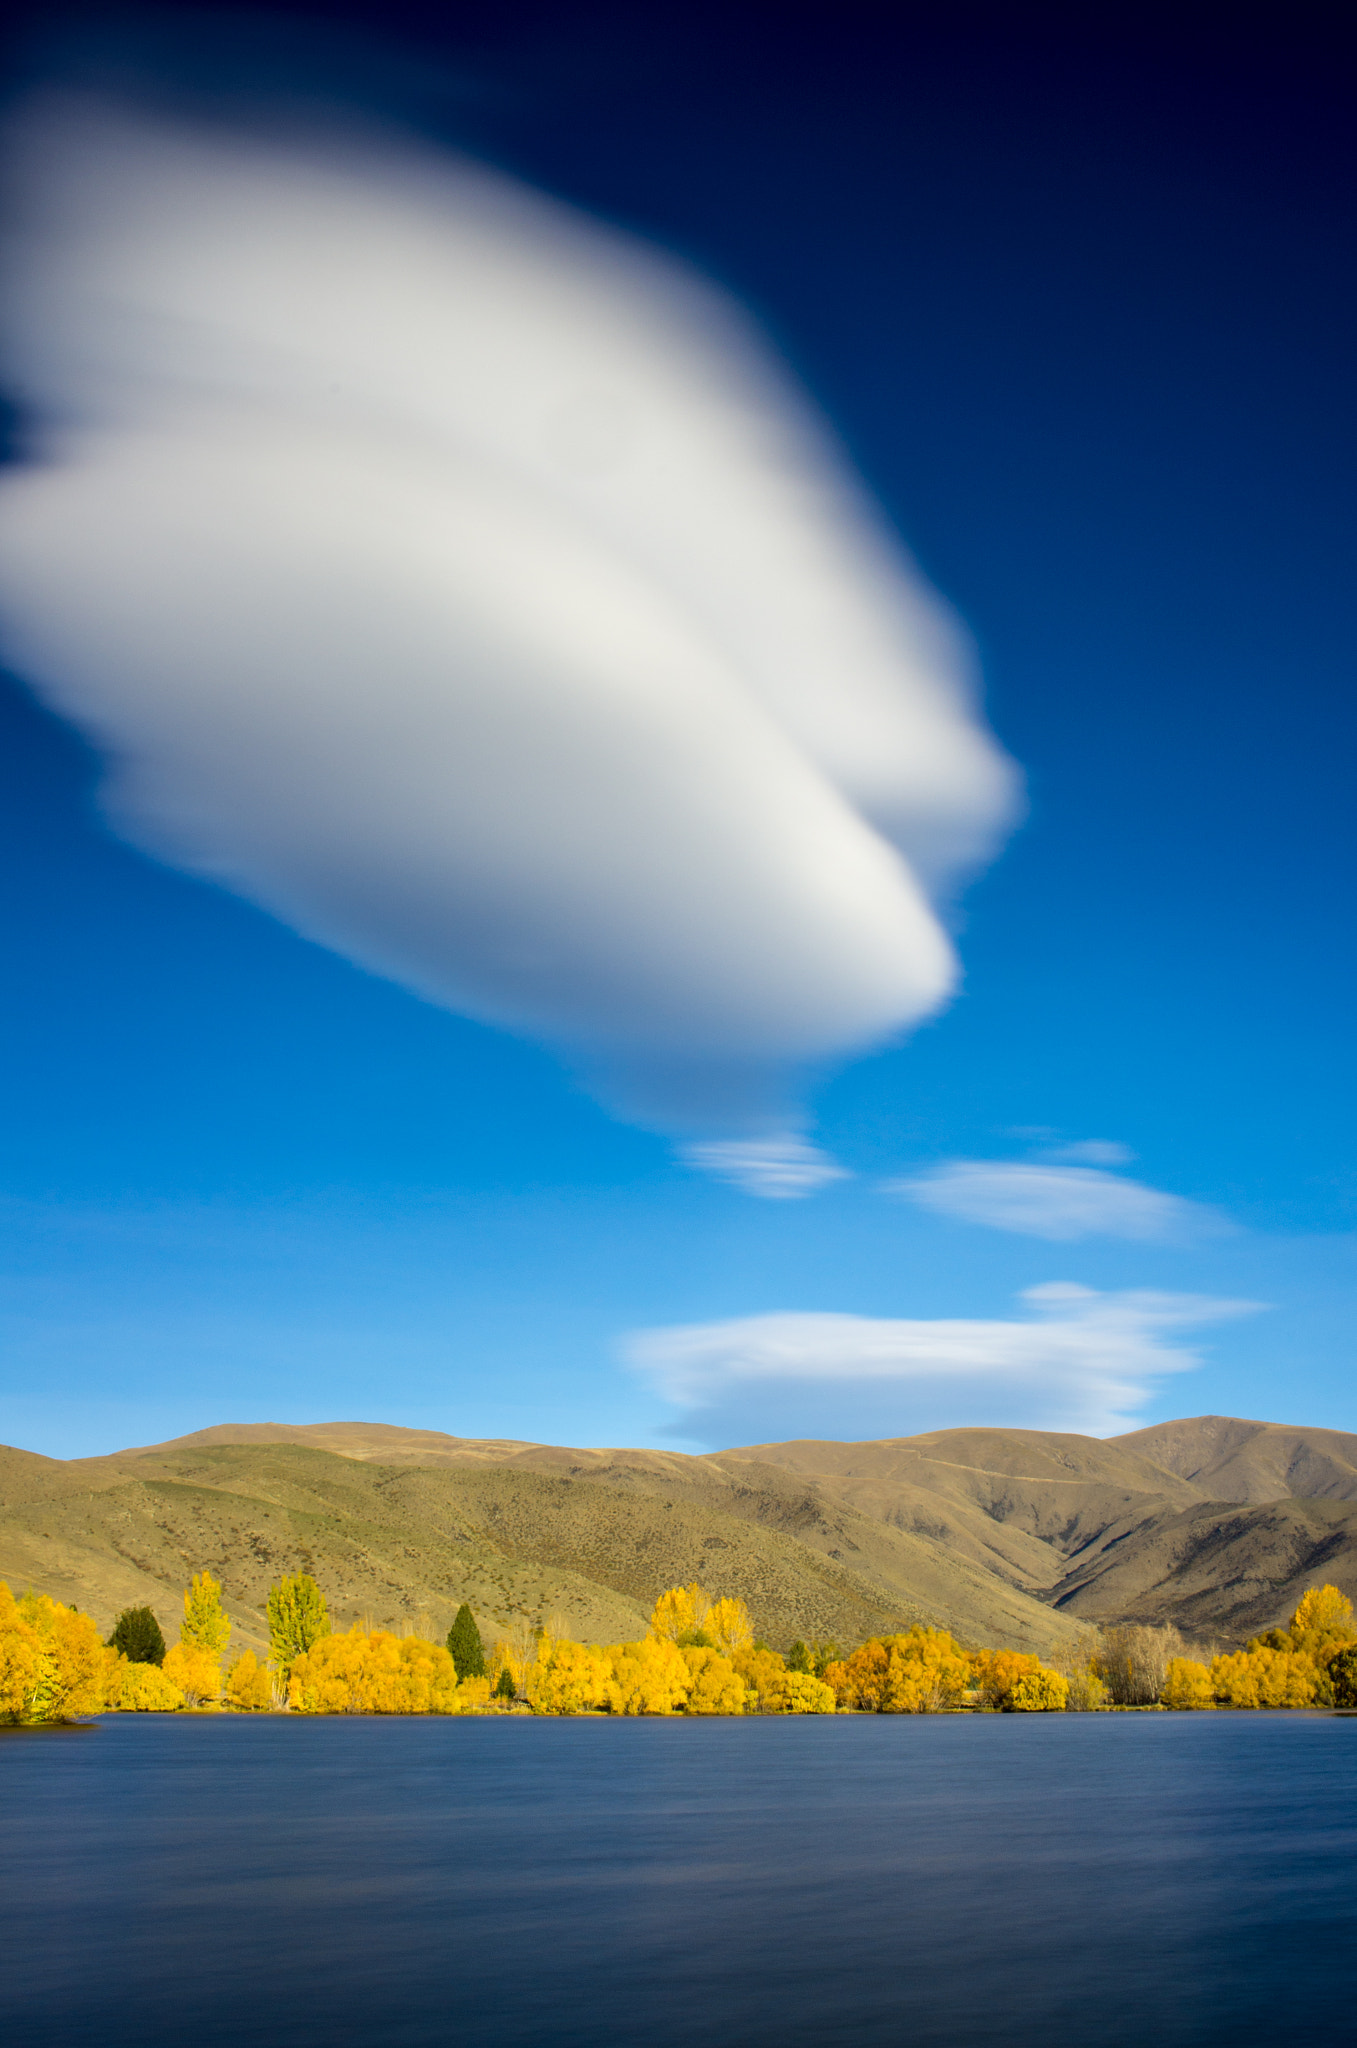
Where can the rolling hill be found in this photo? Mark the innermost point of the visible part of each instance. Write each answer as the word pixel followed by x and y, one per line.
pixel 1018 1537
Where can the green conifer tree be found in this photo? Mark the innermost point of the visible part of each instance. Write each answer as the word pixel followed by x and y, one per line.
pixel 800 1659
pixel 465 1645
pixel 298 1617
pixel 505 1689
pixel 138 1635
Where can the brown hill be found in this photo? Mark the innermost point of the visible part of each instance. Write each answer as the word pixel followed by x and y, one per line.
pixel 592 1539
pixel 1228 1459
pixel 1017 1537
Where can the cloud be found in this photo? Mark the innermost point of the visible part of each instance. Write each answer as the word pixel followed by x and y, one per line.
pixel 1090 1152
pixel 1060 1203
pixel 1078 1361
pixel 466 586
pixel 777 1168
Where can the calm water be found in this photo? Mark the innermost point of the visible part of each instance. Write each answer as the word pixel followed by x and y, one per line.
pixel 1007 1879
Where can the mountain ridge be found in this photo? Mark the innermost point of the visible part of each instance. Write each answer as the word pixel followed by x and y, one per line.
pixel 1016 1537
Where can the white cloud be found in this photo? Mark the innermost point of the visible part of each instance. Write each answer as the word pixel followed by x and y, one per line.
pixel 777 1168
pixel 1060 1203
pixel 466 586
pixel 1078 1361
pixel 1090 1152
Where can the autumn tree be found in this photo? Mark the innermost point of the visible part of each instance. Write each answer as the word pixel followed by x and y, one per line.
pixel 52 1663
pixel 142 1689
pixel 1040 1692
pixel 1187 1685
pixel 679 1614
pixel 205 1623
pixel 1133 1661
pixel 298 1619
pixel 465 1646
pixel 249 1689
pixel 137 1636
pixel 728 1627
pixel 1265 1678
pixel 651 1676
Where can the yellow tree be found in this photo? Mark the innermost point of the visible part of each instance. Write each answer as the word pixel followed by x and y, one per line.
pixel 1264 1678
pixel 680 1612
pixel 1188 1685
pixel 650 1677
pixel 569 1678
pixel 249 1689
pixel 1040 1692
pixel 717 1687
pixel 728 1624
pixel 142 1689
pixel 205 1622
pixel 52 1663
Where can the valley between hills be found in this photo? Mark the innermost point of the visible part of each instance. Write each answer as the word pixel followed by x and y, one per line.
pixel 1019 1538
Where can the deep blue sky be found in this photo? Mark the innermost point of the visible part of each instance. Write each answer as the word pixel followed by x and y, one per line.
pixel 1081 307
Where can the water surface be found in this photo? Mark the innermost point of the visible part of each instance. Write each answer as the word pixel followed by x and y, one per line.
pixel 996 1879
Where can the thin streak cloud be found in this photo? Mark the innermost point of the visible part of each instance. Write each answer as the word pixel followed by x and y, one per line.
pixel 467 586
pixel 1059 1203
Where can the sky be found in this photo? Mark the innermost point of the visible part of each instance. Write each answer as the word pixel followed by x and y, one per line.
pixel 679 727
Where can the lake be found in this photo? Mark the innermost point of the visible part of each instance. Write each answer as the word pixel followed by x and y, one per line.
pixel 1091 1879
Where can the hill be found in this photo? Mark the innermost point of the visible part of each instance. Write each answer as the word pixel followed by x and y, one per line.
pixel 1019 1537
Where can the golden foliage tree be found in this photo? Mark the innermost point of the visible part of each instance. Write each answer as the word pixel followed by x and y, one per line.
pixel 996 1672
pixel 680 1612
pixel 717 1687
pixel 249 1688
pixel 568 1678
pixel 1040 1692
pixel 142 1689
pixel 1264 1678
pixel 920 1672
pixel 1187 1685
pixel 205 1623
pixel 196 1671
pixel 52 1663
pixel 728 1626
pixel 374 1673
pixel 802 1692
pixel 650 1677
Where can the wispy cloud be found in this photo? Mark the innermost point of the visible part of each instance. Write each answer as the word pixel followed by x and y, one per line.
pixel 1090 1152
pixel 1078 1360
pixel 466 585
pixel 779 1169
pixel 1059 1203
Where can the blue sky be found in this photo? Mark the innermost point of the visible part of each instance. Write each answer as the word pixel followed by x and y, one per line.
pixel 1077 310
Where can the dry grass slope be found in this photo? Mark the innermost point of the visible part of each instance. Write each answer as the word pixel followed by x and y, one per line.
pixel 1015 1537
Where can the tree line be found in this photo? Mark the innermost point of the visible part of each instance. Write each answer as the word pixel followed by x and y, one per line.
pixel 698 1656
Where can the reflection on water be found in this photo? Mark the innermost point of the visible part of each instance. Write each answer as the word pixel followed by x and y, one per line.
pixel 1181 1879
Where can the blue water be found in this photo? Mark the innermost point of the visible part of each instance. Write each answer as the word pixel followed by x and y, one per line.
pixel 1164 1878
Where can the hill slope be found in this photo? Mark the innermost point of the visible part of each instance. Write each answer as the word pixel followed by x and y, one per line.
pixel 1019 1537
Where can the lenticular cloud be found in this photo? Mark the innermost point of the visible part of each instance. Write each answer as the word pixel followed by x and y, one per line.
pixel 464 585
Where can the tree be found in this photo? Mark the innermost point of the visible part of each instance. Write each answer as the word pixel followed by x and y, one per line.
pixel 505 1689
pixel 196 1671
pixel 465 1646
pixel 679 1614
pixel 298 1619
pixel 1265 1678
pixel 728 1627
pixel 249 1689
pixel 1343 1677
pixel 205 1624
pixel 52 1663
pixel 1040 1692
pixel 142 1689
pixel 137 1636
pixel 799 1658
pixel 1188 1684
